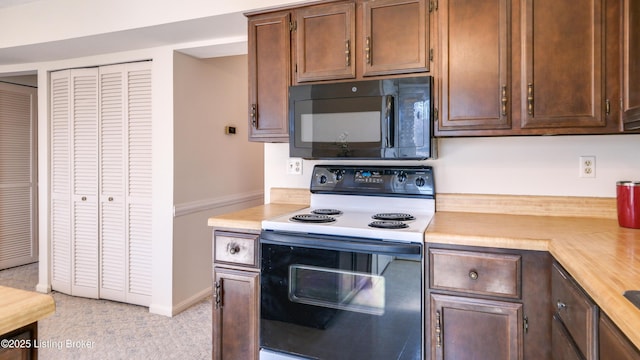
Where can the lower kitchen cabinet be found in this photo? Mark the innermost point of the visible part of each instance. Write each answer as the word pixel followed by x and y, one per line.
pixel 21 343
pixel 575 317
pixel 464 328
pixel 612 343
pixel 236 296
pixel 487 303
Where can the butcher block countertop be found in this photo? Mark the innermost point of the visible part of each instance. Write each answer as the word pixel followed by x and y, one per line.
pixel 20 307
pixel 603 257
pixel 582 234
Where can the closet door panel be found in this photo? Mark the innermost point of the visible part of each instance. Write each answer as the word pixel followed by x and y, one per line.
pixel 112 215
pixel 84 181
pixel 139 185
pixel 61 181
pixel 18 243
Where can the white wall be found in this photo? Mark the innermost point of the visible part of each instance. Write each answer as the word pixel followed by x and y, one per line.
pixel 214 172
pixel 534 165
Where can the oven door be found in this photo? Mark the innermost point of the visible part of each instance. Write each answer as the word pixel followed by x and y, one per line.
pixel 328 297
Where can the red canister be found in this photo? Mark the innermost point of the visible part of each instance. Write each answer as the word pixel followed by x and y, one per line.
pixel 628 195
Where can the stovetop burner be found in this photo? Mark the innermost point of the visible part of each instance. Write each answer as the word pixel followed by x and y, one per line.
pixel 326 212
pixel 313 218
pixel 388 224
pixel 393 216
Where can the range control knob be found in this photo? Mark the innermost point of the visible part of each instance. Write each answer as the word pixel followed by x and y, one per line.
pixel 402 177
pixel 322 179
pixel 339 175
pixel 420 182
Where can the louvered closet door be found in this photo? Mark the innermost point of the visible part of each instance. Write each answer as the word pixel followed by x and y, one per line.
pixel 61 181
pixel 74 181
pixel 113 252
pixel 84 182
pixel 18 240
pixel 125 182
pixel 139 184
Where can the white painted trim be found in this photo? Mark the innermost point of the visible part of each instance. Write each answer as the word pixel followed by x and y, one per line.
pixel 192 300
pixel 160 310
pixel 215 203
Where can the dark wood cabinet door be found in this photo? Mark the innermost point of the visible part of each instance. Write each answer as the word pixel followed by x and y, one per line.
pixel 269 52
pixel 236 314
pixel 395 37
pixel 613 345
pixel 468 328
pixel 562 345
pixel 25 339
pixel 475 89
pixel 562 80
pixel 577 312
pixel 325 42
pixel 631 65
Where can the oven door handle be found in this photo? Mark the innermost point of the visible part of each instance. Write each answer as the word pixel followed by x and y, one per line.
pixel 339 243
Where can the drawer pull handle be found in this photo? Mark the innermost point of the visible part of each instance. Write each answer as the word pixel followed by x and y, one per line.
pixel 560 305
pixel 473 275
pixel 233 248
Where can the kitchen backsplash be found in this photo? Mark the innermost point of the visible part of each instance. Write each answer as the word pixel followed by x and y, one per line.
pixel 532 165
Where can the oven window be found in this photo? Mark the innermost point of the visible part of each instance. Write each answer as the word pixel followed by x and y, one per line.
pixel 338 289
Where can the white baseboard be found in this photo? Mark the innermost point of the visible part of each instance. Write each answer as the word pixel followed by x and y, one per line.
pixel 182 306
pixel 196 298
pixel 43 288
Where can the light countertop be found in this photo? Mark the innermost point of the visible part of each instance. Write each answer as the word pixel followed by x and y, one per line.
pixel 20 307
pixel 603 257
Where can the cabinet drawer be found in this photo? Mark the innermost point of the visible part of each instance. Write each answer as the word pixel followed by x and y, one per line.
pixel 575 310
pixel 475 272
pixel 235 248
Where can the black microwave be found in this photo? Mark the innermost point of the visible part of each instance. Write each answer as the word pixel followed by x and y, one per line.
pixel 373 119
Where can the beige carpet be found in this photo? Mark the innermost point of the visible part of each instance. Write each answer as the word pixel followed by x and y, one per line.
pixel 101 329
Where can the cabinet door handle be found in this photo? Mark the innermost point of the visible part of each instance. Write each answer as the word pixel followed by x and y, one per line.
pixel 367 50
pixel 530 99
pixel 607 107
pixel 438 329
pixel 84 198
pixel 504 99
pixel 110 198
pixel 347 52
pixel 218 293
pixel 253 115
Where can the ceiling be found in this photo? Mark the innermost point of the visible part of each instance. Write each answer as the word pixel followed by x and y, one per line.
pixel 9 3
pixel 223 34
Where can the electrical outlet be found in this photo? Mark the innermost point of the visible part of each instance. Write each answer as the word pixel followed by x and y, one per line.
pixel 294 166
pixel 587 166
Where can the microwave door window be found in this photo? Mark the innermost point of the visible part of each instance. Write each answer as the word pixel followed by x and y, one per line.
pixel 336 128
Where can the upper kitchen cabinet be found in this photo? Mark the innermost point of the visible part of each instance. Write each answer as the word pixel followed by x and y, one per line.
pixel 358 39
pixel 563 57
pixel 325 42
pixel 474 82
pixel 528 67
pixel 269 76
pixel 395 37
pixel 631 65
